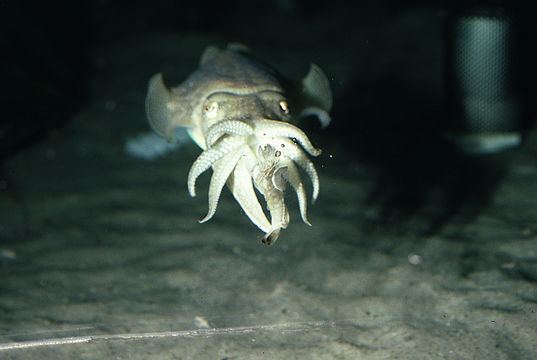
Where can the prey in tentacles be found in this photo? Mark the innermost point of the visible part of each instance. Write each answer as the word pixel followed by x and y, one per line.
pixel 242 113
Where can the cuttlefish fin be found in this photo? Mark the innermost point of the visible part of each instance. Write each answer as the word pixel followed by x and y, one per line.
pixel 212 51
pixel 167 111
pixel 157 107
pixel 316 90
pixel 236 46
pixel 209 53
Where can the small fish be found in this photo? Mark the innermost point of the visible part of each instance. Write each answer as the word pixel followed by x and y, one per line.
pixel 241 112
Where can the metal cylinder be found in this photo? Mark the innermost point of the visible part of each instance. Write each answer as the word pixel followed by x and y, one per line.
pixel 482 80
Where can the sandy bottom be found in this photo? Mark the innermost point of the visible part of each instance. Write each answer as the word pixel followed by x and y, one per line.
pixel 102 255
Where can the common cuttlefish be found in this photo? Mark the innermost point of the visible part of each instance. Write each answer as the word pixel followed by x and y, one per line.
pixel 241 112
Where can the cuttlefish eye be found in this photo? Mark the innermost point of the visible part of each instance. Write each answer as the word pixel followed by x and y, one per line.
pixel 211 109
pixel 284 107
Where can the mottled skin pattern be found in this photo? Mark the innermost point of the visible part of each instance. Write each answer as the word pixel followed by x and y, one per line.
pixel 240 112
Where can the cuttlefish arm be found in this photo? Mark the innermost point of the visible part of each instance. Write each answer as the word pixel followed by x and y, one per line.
pixel 242 188
pixel 263 179
pixel 208 158
pixel 222 169
pixel 290 173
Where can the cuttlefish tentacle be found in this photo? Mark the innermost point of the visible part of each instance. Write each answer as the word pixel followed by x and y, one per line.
pixel 222 169
pixel 302 160
pixel 279 216
pixel 291 150
pixel 275 128
pixel 293 177
pixel 275 203
pixel 242 188
pixel 208 157
pixel 229 127
pixel 279 178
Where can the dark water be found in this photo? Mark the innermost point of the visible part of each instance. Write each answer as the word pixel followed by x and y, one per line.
pixel 416 251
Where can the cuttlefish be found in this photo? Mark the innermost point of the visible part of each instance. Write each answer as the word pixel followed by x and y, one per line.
pixel 242 113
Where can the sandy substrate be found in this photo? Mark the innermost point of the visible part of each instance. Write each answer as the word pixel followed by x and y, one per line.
pixel 102 255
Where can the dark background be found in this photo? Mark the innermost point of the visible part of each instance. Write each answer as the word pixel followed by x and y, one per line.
pixel 47 67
